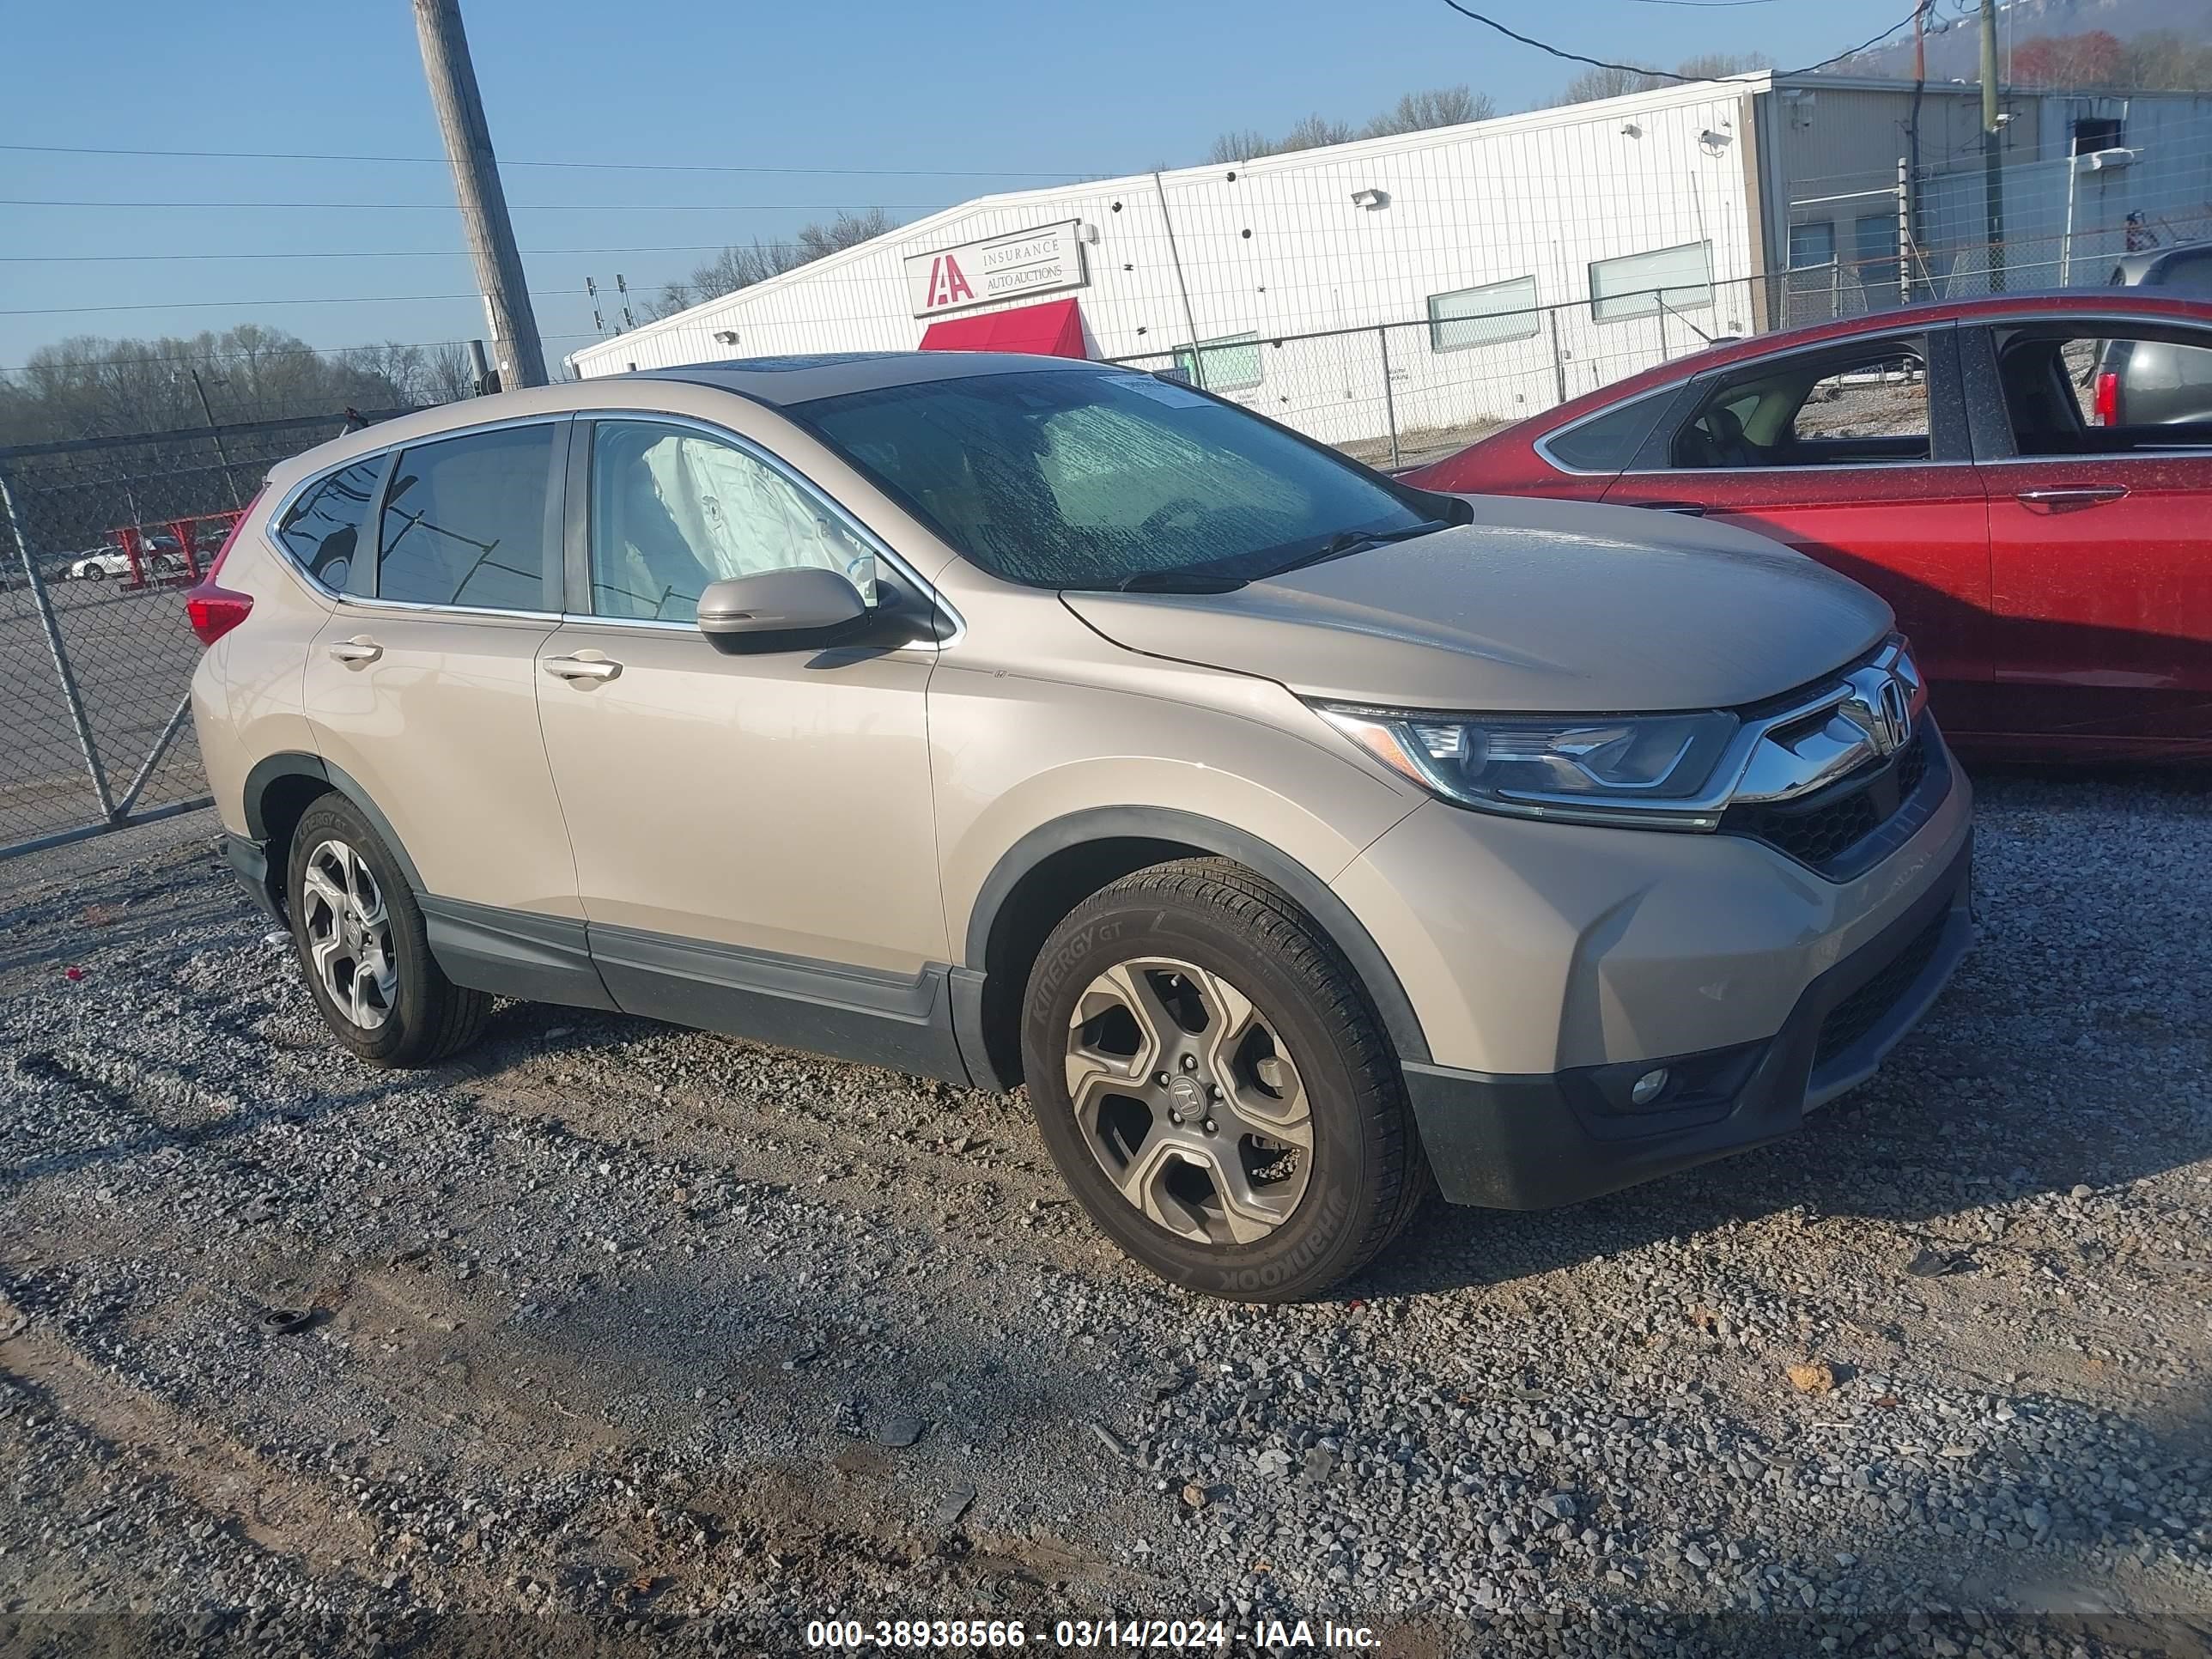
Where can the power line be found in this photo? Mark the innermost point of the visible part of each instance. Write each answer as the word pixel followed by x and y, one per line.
pixel 518 206
pixel 212 305
pixel 606 167
pixel 1671 75
pixel 374 253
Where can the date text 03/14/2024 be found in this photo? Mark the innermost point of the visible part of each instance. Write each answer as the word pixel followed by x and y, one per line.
pixel 1165 1635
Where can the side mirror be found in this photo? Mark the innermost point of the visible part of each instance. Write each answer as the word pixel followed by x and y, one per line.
pixel 785 610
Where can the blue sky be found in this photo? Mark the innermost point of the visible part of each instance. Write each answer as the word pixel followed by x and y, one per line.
pixel 972 86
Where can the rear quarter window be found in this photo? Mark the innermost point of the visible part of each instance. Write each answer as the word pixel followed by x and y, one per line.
pixel 321 530
pixel 1608 442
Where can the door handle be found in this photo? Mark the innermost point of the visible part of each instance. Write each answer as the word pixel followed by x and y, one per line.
pixel 582 668
pixel 2071 495
pixel 1687 509
pixel 358 652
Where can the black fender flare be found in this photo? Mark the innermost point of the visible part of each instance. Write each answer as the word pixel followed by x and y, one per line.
pixel 270 767
pixel 1226 841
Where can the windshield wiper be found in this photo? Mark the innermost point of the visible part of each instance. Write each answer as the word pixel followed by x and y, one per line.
pixel 1179 581
pixel 1358 541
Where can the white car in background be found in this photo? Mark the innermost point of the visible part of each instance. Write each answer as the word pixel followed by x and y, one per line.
pixel 103 562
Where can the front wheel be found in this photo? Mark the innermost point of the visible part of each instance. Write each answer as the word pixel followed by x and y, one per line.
pixel 361 939
pixel 1216 1087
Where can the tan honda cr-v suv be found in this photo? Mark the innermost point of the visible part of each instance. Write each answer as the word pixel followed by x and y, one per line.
pixel 1300 839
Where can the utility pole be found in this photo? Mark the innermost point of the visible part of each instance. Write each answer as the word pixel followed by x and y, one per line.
pixel 453 80
pixel 1992 148
pixel 229 479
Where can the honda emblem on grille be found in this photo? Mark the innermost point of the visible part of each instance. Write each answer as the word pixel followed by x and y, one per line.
pixel 1881 705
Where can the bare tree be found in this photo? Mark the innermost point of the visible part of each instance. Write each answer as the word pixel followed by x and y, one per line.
pixel 734 268
pixel 1315 132
pixel 421 376
pixel 846 230
pixel 1240 146
pixel 1593 84
pixel 87 386
pixel 2164 60
pixel 1417 112
pixel 1719 65
pixel 1439 106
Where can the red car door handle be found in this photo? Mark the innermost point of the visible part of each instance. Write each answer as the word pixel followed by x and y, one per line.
pixel 2071 495
pixel 1694 509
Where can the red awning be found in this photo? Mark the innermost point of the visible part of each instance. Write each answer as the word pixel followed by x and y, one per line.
pixel 1052 328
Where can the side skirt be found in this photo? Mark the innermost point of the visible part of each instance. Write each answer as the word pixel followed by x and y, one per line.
pixel 903 1023
pixel 856 1014
pixel 513 953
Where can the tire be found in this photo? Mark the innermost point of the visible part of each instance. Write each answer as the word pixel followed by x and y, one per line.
pixel 362 944
pixel 1253 1017
pixel 95 575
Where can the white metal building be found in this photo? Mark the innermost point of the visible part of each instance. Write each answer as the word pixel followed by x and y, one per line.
pixel 1428 279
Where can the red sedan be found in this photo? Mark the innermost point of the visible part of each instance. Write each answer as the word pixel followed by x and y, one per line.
pixel 1969 461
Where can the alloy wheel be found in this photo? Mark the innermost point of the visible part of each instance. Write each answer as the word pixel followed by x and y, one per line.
pixel 1187 1096
pixel 349 932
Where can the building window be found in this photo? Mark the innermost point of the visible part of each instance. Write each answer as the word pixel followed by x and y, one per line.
pixel 1490 315
pixel 1812 245
pixel 1874 244
pixel 1229 364
pixel 1634 285
pixel 2094 132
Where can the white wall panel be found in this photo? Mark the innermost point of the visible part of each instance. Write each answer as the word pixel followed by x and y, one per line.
pixel 1280 249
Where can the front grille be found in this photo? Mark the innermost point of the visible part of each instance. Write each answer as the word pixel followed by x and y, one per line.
pixel 1868 1007
pixel 1832 830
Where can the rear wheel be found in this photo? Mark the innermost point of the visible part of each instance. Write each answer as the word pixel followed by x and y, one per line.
pixel 360 941
pixel 1215 1084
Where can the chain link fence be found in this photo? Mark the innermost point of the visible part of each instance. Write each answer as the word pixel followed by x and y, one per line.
pixel 99 539
pixel 1397 394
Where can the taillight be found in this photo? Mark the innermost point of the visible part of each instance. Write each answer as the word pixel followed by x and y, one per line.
pixel 2108 399
pixel 213 609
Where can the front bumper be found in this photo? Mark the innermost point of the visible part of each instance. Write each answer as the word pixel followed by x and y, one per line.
pixel 1532 1142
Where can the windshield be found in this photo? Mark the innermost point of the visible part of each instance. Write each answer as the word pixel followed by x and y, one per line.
pixel 1079 479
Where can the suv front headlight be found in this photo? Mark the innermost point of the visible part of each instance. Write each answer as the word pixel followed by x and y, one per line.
pixel 1651 770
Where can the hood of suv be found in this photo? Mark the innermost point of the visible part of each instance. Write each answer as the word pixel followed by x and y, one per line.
pixel 1562 607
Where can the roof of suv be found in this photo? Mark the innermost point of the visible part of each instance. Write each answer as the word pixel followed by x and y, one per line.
pixel 2148 266
pixel 782 381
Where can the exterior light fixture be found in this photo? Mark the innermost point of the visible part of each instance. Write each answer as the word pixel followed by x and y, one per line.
pixel 727 336
pixel 1370 199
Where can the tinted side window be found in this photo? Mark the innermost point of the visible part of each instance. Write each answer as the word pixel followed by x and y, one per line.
pixel 323 526
pixel 465 521
pixel 1609 441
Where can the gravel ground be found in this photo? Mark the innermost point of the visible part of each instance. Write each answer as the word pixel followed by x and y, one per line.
pixel 608 1326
